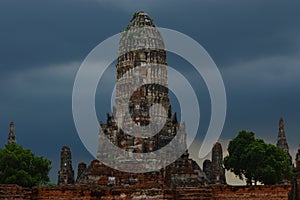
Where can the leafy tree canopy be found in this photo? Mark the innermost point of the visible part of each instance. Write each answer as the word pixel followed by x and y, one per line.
pixel 255 160
pixel 20 166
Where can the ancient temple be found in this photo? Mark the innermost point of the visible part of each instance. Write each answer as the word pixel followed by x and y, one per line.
pixel 282 141
pixel 11 134
pixel 66 172
pixel 146 53
pixel 214 169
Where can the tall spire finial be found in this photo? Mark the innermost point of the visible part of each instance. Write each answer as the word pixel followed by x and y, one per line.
pixel 11 134
pixel 282 141
pixel 281 125
pixel 281 138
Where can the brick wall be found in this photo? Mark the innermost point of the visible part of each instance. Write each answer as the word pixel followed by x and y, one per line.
pixel 274 192
pixel 84 192
pixel 14 192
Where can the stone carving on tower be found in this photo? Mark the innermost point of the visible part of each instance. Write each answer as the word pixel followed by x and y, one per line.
pixel 11 134
pixel 66 172
pixel 282 141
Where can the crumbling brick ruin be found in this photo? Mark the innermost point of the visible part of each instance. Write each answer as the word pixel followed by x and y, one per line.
pixel 214 170
pixel 66 172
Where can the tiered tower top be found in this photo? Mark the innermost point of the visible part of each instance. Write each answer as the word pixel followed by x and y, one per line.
pixel 140 43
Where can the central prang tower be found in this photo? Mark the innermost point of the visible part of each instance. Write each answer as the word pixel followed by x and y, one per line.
pixel 142 47
pixel 142 55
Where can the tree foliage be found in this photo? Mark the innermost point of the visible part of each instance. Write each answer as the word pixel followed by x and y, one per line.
pixel 20 166
pixel 254 160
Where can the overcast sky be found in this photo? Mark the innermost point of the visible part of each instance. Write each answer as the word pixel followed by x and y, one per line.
pixel 254 43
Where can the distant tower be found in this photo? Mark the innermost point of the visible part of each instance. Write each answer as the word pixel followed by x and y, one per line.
pixel 207 169
pixel 81 168
pixel 217 164
pixel 81 176
pixel 214 170
pixel 66 172
pixel 11 135
pixel 281 140
pixel 298 160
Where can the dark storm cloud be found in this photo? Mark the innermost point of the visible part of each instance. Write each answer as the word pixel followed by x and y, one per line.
pixel 238 31
pixel 259 93
pixel 35 33
pixel 39 34
pixel 42 43
pixel 232 31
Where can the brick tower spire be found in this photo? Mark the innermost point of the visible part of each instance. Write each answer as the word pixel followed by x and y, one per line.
pixel 217 164
pixel 214 170
pixel 281 138
pixel 66 172
pixel 11 134
pixel 282 141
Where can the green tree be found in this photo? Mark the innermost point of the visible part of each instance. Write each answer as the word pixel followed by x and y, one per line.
pixel 254 160
pixel 276 166
pixel 20 166
pixel 237 162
